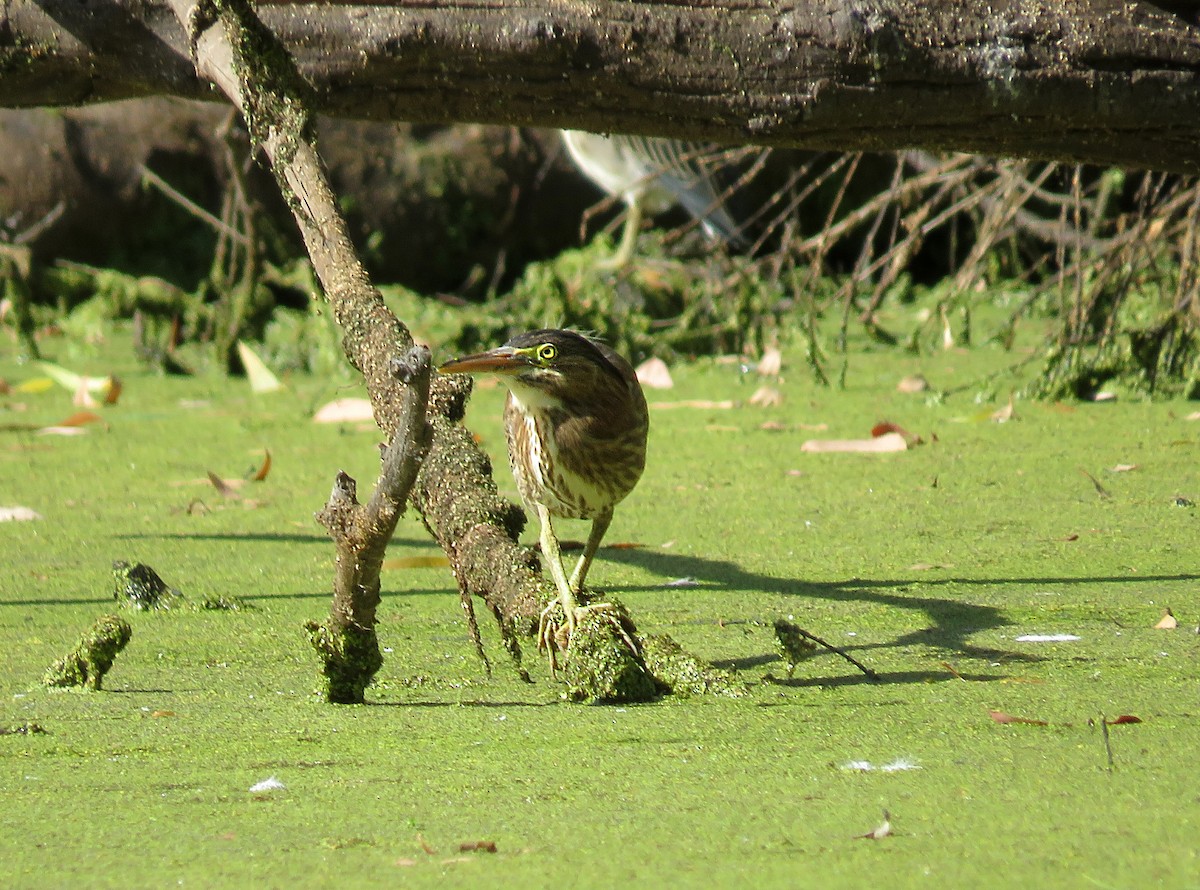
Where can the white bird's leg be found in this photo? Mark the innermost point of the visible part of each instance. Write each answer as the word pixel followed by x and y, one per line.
pixel 629 236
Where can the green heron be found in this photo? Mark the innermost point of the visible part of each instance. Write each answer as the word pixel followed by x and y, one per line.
pixel 576 424
pixel 631 166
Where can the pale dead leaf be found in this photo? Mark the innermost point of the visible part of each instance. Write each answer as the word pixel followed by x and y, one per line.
pixel 886 443
pixel 883 830
pixel 1002 717
pixel 1005 414
pixel 61 431
pixel 771 362
pixel 18 514
pixel 83 398
pixel 1195 415
pixel 1104 397
pixel 655 374
pixel 766 397
pixel 261 378
pixel 348 410
pixel 912 384
pixel 70 380
pixel 773 426
pixel 1167 622
pixel 1122 468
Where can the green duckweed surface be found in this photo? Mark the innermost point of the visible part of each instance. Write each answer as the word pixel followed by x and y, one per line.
pixel 927 565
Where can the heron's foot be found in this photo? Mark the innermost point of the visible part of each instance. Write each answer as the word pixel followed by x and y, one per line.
pixel 554 638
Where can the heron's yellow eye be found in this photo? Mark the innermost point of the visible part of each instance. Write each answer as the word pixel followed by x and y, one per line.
pixel 546 353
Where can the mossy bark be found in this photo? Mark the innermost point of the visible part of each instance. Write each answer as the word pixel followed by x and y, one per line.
pixel 93 656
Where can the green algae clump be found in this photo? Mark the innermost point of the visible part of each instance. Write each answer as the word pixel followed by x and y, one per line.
pixel 90 660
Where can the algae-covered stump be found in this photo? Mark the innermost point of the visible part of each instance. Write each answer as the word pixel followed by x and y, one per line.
pixel 90 660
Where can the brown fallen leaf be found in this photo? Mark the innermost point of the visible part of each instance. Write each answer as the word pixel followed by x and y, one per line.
pixel 882 429
pixel 477 847
pixel 912 384
pixel 1001 717
pixel 261 475
pixel 1167 622
pixel 113 391
pixel 81 418
pixel 886 443
pixel 1071 537
pixel 425 846
pixel 655 374
pixel 953 671
pixel 1100 489
pixel 1123 720
pixel 224 488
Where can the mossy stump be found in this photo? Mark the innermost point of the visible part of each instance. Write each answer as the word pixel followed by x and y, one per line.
pixel 351 659
pixel 90 660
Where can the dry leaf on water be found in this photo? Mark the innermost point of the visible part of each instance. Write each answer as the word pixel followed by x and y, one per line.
pixel 18 514
pixel 81 418
pixel 477 847
pixel 881 444
pixel 1168 621
pixel 260 376
pixel 884 829
pixel 1001 717
pixel 263 470
pixel 882 429
pixel 1100 489
pixel 766 397
pixel 912 384
pixel 1005 414
pixel 226 489
pixel 653 373
pixel 348 410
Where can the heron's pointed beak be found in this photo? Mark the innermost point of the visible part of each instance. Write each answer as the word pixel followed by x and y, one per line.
pixel 503 360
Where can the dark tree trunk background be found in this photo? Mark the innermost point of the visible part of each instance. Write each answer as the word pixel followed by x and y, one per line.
pixel 1106 81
